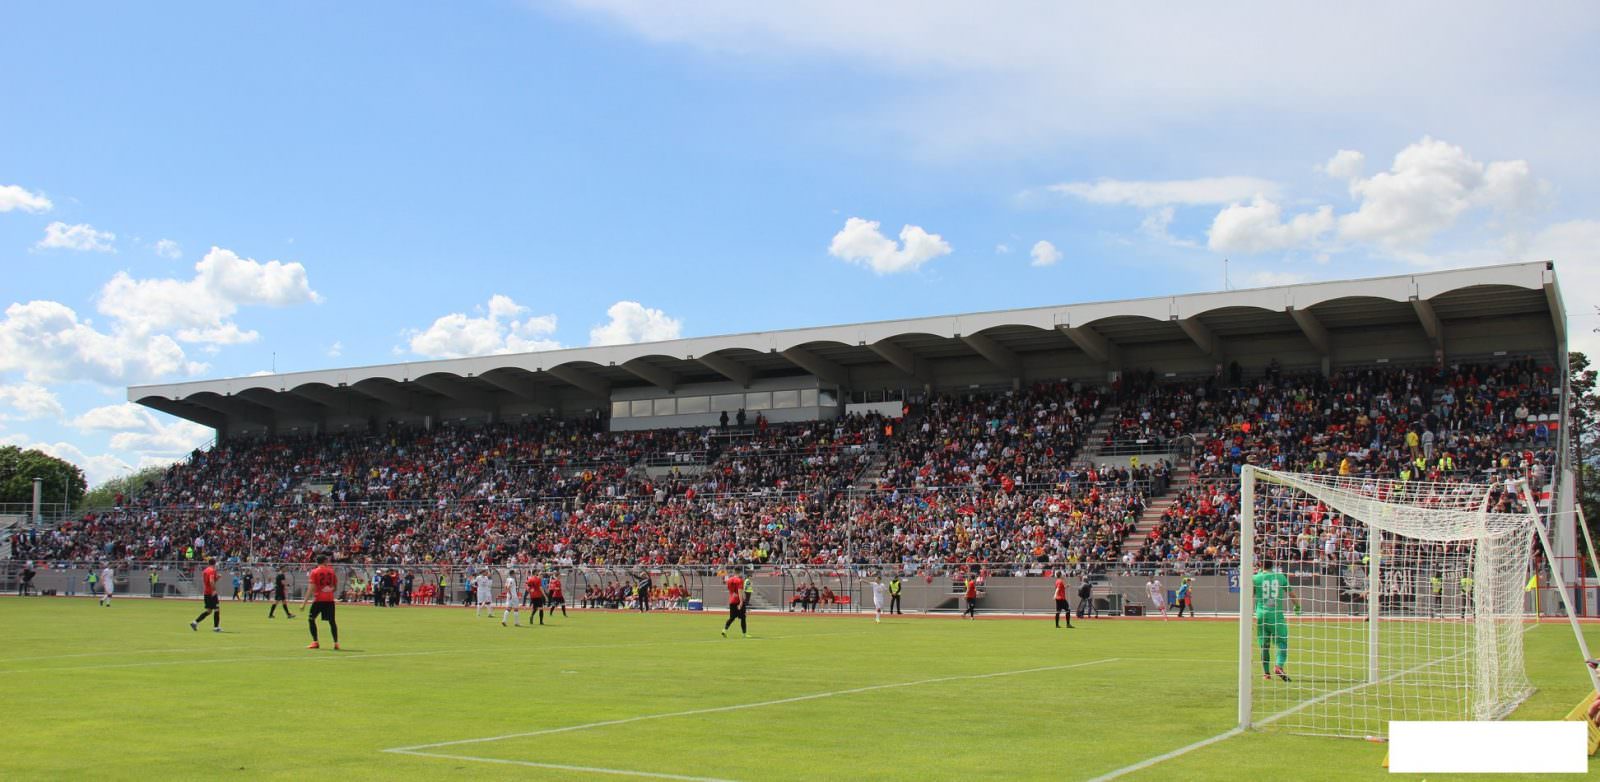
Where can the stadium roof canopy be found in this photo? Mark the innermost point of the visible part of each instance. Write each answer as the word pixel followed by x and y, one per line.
pixel 1416 318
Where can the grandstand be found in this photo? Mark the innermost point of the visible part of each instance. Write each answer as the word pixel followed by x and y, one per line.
pixel 1104 436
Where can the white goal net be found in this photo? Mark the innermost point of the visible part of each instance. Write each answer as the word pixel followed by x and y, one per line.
pixel 1377 600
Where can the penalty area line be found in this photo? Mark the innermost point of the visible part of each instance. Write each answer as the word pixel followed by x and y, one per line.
pixel 742 706
pixel 621 772
pixel 1164 757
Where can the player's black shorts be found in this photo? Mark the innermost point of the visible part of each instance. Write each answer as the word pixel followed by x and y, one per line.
pixel 557 600
pixel 323 608
pixel 212 602
pixel 538 603
pixel 279 596
pixel 1061 604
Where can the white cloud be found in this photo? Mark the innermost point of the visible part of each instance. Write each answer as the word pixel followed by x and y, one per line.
pixel 862 243
pixel 139 430
pixel 167 248
pixel 14 197
pixel 32 400
pixel 1182 192
pixel 1259 227
pixel 201 309
pixel 47 343
pixel 1044 254
pixel 81 237
pixel 97 469
pixel 1028 74
pixel 1429 187
pixel 1002 249
pixel 501 330
pixel 114 418
pixel 1345 164
pixel 336 349
pixel 631 322
pixel 1575 248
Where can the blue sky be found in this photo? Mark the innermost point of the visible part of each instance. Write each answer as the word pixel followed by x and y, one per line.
pixel 206 190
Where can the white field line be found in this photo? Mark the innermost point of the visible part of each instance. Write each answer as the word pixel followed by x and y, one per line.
pixel 560 766
pixel 742 706
pixel 1162 758
pixel 1147 763
pixel 355 655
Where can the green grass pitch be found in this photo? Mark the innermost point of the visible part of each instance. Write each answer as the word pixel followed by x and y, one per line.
pixel 129 692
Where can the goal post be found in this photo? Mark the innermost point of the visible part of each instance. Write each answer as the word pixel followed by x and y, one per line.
pixel 1379 600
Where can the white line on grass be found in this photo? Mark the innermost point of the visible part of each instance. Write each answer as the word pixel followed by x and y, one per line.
pixel 741 706
pixel 1144 764
pixel 561 767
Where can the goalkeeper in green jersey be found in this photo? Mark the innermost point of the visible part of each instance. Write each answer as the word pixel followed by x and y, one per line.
pixel 1271 589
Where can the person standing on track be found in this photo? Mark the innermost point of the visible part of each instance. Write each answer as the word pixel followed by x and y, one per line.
pixel 280 594
pixel 208 588
pixel 1185 601
pixel 735 584
pixel 1085 605
pixel 971 594
pixel 322 595
pixel 1063 608
pixel 894 594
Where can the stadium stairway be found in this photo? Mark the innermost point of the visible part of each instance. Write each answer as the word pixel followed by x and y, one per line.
pixel 1096 438
pixel 1158 505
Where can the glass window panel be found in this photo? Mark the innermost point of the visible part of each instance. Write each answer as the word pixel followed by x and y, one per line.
pixel 666 406
pixel 783 400
pixel 827 397
pixel 693 404
pixel 728 402
pixel 761 400
pixel 808 397
pixel 619 410
pixel 641 408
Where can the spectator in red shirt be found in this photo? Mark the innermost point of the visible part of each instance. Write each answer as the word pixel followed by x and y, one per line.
pixel 322 594
pixel 208 582
pixel 736 606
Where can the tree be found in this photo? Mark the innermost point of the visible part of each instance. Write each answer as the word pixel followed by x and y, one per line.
pixel 105 495
pixel 18 468
pixel 1584 423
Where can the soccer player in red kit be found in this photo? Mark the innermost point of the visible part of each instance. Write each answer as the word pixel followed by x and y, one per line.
pixel 971 594
pixel 557 598
pixel 735 584
pixel 322 595
pixel 536 596
pixel 208 580
pixel 1062 608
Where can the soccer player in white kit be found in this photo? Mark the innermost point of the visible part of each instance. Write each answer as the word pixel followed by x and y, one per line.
pixel 483 591
pixel 879 592
pixel 1158 595
pixel 106 574
pixel 513 601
